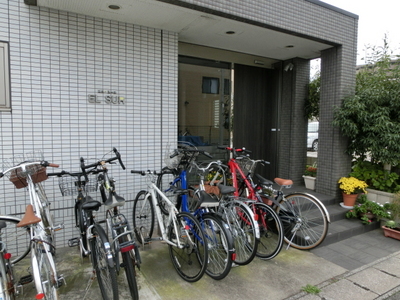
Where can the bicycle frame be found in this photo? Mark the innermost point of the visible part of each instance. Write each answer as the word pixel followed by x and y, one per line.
pixel 154 190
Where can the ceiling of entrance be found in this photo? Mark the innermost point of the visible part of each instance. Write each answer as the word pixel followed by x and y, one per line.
pixel 197 27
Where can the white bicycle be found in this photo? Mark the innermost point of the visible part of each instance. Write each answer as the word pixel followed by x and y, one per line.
pixel 38 224
pixel 182 232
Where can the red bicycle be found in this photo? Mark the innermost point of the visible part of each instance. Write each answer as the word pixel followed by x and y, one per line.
pixel 271 230
pixel 303 216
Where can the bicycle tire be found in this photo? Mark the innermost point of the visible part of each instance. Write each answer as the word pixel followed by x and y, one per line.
pixel 164 181
pixel 129 266
pixel 240 220
pixel 190 261
pixel 304 221
pixel 105 270
pixel 17 239
pixel 82 219
pixel 44 272
pixel 271 231
pixel 143 217
pixel 128 260
pixel 220 245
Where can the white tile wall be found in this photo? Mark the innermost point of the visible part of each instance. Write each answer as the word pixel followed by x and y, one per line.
pixel 57 58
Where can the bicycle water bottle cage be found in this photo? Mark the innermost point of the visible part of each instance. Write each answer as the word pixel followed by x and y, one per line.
pixel 225 189
pixel 91 205
pixel 206 200
pixel 114 200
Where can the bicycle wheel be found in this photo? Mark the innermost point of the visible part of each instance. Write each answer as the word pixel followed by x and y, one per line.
pixel 304 221
pixel 103 264
pixel 241 222
pixel 128 260
pixel 271 231
pixel 129 266
pixel 143 217
pixel 220 246
pixel 44 271
pixel 190 259
pixel 164 181
pixel 17 239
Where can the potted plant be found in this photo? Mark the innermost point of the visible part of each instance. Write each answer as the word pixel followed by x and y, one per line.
pixel 310 174
pixel 367 210
pixel 392 226
pixel 351 187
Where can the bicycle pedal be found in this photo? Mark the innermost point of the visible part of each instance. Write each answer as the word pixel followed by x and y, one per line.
pixel 73 242
pixel 25 280
pixel 58 227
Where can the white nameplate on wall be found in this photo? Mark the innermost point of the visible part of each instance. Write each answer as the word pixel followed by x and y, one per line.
pixel 106 97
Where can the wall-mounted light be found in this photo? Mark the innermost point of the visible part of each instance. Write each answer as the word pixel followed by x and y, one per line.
pixel 114 7
pixel 288 67
pixel 259 62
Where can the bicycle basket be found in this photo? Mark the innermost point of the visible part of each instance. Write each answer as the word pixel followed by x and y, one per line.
pixel 17 176
pixel 246 164
pixel 69 186
pixel 181 158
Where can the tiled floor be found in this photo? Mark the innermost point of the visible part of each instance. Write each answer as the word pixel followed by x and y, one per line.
pixel 358 250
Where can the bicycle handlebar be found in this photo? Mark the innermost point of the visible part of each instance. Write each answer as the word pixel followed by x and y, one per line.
pixel 144 173
pixel 217 162
pixel 177 151
pixel 43 163
pixel 101 162
pixel 76 174
pixel 234 151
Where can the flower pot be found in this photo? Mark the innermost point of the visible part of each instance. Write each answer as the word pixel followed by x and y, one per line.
pixel 309 181
pixel 389 232
pixel 379 196
pixel 349 199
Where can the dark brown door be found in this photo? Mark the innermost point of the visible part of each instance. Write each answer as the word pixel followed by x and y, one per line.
pixel 255 115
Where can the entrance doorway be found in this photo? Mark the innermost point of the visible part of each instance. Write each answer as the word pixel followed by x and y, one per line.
pixel 204 109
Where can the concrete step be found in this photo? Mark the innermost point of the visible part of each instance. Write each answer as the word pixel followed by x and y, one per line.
pixel 345 228
pixel 340 227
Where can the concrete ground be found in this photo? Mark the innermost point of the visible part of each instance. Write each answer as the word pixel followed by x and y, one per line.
pixel 375 276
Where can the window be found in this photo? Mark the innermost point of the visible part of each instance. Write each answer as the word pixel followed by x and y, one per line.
pixel 4 78
pixel 210 85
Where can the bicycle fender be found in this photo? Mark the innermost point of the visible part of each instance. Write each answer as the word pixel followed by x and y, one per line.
pixel 107 246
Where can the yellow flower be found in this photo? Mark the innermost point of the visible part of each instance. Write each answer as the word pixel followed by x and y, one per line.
pixel 352 185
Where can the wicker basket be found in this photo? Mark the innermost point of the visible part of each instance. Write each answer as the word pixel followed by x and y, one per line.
pixel 180 159
pixel 69 185
pixel 246 164
pixel 18 178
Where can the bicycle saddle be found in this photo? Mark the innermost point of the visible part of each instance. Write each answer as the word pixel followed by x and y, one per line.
pixel 264 181
pixel 225 189
pixel 206 200
pixel 91 205
pixel 29 217
pixel 114 200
